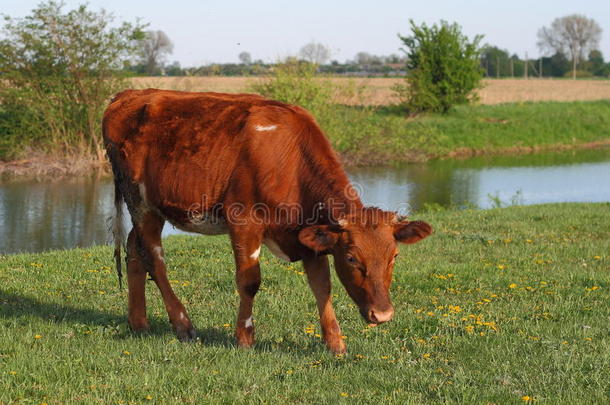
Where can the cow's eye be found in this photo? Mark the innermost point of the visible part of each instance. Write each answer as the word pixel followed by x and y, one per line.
pixel 351 260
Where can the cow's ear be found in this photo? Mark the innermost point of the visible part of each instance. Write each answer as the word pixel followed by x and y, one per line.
pixel 411 232
pixel 320 238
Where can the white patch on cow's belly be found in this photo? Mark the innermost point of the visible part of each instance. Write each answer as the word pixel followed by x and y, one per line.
pixel 275 249
pixel 262 128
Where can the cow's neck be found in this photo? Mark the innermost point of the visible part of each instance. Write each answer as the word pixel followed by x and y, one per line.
pixel 335 196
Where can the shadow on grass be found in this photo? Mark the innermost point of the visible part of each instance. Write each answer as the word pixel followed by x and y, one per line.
pixel 19 307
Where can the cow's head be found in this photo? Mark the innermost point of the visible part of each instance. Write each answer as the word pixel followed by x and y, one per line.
pixel 364 246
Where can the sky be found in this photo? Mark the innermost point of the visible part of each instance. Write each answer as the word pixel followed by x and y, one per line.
pixel 206 32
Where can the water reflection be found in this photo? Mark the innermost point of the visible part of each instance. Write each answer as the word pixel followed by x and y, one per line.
pixel 37 216
pixel 531 179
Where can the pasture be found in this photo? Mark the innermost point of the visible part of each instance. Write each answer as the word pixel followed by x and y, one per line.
pixel 498 306
pixel 378 91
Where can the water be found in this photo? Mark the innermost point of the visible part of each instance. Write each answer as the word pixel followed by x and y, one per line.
pixel 58 214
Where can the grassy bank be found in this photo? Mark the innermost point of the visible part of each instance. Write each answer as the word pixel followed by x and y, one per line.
pixel 384 135
pixel 498 306
pixel 381 136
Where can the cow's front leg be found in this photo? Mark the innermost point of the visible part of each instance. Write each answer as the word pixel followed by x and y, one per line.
pixel 318 276
pixel 246 247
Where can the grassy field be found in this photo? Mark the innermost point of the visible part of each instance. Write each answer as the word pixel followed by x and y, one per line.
pixel 378 91
pixel 499 306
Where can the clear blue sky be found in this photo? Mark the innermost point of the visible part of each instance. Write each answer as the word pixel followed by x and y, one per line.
pixel 217 31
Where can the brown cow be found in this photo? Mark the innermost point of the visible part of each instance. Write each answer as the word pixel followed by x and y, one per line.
pixel 261 171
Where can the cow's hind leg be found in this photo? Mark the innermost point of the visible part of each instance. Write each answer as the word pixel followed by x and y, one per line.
pixel 149 229
pixel 246 248
pixel 136 280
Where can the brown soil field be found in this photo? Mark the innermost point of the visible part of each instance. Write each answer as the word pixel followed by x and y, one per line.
pixel 378 91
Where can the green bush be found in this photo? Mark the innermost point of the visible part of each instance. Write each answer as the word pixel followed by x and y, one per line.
pixel 58 72
pixel 443 68
pixel 295 82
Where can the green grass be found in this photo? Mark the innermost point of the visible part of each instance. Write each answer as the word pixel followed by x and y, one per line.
pixel 382 136
pixel 495 306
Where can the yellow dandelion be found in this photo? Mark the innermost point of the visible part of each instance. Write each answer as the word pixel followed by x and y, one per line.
pixel 597 257
pixel 225 325
pixel 426 355
pixel 12 372
pixel 501 266
pixel 148 398
pixel 469 328
pixel 126 353
pixel 344 394
pixel 527 398
pixel 512 285
pixel 528 240
pixel 37 336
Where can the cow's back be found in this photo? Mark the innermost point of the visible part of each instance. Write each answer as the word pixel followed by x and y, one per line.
pixel 205 149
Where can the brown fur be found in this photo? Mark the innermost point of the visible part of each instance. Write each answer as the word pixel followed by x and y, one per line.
pixel 261 171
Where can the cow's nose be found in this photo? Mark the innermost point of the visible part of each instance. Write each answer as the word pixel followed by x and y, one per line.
pixel 381 316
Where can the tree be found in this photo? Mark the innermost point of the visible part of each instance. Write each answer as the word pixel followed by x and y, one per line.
pixel 495 61
pixel 58 71
pixel 315 52
pixel 363 58
pixel 595 63
pixel 556 66
pixel 154 47
pixel 245 58
pixel 573 35
pixel 443 67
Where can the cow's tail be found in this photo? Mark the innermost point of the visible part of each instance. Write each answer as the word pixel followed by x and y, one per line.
pixel 118 230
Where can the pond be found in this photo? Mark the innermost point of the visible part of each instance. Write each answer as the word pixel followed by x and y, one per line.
pixel 61 214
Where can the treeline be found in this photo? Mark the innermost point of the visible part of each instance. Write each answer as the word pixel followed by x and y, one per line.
pixel 363 64
pixel 497 62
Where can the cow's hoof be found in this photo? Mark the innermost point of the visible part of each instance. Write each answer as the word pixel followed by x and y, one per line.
pixel 139 326
pixel 186 334
pixel 245 340
pixel 337 347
